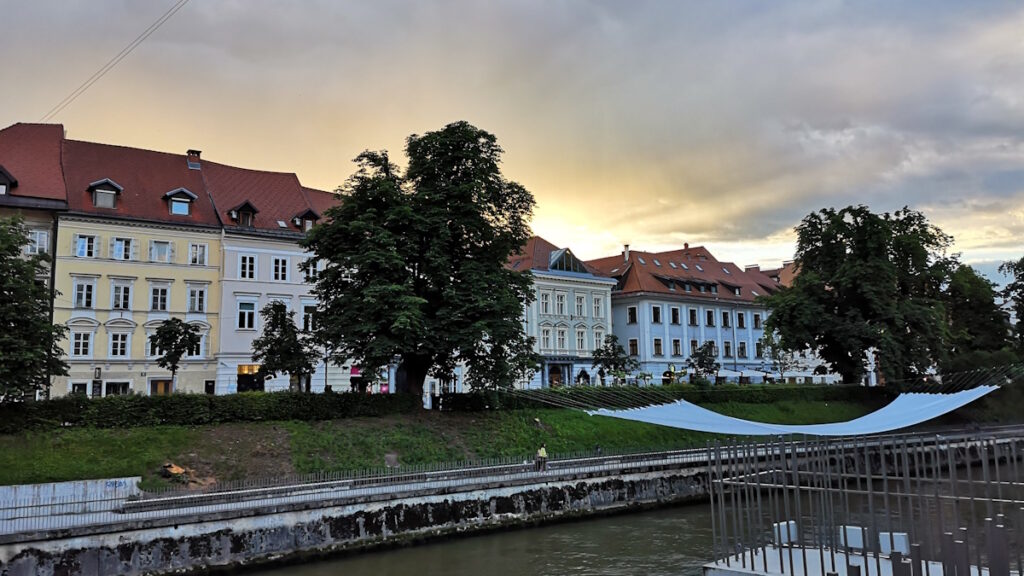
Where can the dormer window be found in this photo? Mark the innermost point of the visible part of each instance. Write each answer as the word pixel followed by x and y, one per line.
pixel 179 201
pixel 104 193
pixel 244 214
pixel 6 181
pixel 305 220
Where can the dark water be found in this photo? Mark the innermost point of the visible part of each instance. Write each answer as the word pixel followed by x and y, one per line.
pixel 669 542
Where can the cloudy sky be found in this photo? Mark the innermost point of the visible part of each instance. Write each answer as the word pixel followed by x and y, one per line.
pixel 648 123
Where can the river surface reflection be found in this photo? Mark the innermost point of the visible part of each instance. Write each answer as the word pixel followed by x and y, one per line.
pixel 668 542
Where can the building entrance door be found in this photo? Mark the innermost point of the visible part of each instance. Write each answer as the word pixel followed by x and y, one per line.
pixel 161 387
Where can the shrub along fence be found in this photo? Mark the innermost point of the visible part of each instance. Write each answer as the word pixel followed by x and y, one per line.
pixel 193 409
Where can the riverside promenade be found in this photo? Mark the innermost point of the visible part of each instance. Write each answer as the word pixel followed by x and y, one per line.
pixel 272 519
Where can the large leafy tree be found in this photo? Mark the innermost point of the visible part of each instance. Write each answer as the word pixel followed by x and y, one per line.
pixel 867 282
pixel 281 347
pixel 1013 293
pixel 611 358
pixel 780 359
pixel 976 322
pixel 29 350
pixel 174 338
pixel 415 263
pixel 704 361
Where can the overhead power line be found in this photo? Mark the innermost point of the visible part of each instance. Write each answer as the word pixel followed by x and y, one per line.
pixel 114 61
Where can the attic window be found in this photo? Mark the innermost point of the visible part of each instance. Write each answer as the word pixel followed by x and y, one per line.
pixel 245 219
pixel 7 181
pixel 244 214
pixel 656 263
pixel 641 259
pixel 180 207
pixel 754 292
pixel 104 193
pixel 672 264
pixel 714 289
pixel 281 224
pixel 736 291
pixel 699 268
pixel 683 264
pixel 179 201
pixel 726 270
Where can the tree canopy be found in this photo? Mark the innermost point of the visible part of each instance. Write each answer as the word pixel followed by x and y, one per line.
pixel 1014 294
pixel 704 362
pixel 281 347
pixel 29 341
pixel 976 322
pixel 865 282
pixel 415 263
pixel 611 358
pixel 174 338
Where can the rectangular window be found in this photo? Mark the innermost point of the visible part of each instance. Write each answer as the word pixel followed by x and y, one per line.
pixel 197 254
pixel 741 319
pixel 116 388
pixel 714 346
pixel 545 303
pixel 308 317
pixel 280 269
pixel 81 344
pixel 197 350
pixel 741 349
pixel 246 315
pixel 154 350
pixel 728 349
pixel 160 251
pixel 631 315
pixel 104 198
pixel 757 321
pixel 693 347
pixel 83 294
pixel 693 316
pixel 656 314
pixel 560 304
pixel 758 350
pixel 122 297
pixel 85 247
pixel 581 306
pixel 38 242
pixel 197 299
pixel 634 347
pixel 545 338
pixel 581 340
pixel 674 311
pixel 119 345
pixel 122 249
pixel 158 299
pixel 677 347
pixel 725 319
pixel 598 338
pixel 710 318
pixel 311 273
pixel 247 267
pixel 598 307
pixel 561 338
pixel 657 347
pixel 180 207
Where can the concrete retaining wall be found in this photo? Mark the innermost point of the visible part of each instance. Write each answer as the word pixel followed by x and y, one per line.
pixel 201 545
pixel 86 495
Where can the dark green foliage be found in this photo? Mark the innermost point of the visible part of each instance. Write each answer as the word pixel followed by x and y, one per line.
pixel 976 323
pixel 193 409
pixel 1014 294
pixel 611 359
pixel 416 264
pixel 29 350
pixel 704 362
pixel 867 282
pixel 781 360
pixel 174 338
pixel 281 348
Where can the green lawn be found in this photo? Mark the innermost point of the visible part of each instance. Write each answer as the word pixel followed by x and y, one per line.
pixel 234 451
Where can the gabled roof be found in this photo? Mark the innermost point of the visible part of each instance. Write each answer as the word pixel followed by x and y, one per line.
pixel 8 177
pixel 540 255
pixel 276 196
pixel 144 177
pixel 31 153
pixel 658 272
pixel 321 201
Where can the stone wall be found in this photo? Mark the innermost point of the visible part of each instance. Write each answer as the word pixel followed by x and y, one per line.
pixel 289 535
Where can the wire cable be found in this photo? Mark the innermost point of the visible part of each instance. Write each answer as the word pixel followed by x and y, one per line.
pixel 113 61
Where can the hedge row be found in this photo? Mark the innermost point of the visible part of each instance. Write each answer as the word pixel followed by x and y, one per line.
pixel 626 395
pixel 192 409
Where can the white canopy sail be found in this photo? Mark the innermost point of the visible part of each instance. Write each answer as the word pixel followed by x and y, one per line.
pixel 906 410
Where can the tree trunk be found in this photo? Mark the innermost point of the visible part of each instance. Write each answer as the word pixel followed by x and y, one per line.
pixel 415 370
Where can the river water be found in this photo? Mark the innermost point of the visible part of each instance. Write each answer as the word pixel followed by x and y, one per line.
pixel 668 542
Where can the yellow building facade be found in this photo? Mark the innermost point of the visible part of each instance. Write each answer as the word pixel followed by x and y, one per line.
pixel 117 282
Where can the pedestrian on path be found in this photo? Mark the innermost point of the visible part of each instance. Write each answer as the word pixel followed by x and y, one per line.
pixel 542 458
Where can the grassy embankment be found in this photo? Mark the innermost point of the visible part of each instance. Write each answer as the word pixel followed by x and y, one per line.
pixel 234 451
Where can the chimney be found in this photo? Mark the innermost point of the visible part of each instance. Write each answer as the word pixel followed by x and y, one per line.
pixel 193 159
pixel 625 253
pixel 686 245
pixel 752 268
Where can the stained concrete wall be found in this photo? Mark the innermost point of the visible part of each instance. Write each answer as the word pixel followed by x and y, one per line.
pixel 80 495
pixel 293 534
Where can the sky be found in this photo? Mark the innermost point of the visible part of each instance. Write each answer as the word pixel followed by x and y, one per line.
pixel 718 123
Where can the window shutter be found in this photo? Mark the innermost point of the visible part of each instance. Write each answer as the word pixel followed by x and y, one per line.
pixel 150 250
pixel 74 244
pixel 111 249
pixel 135 250
pixel 170 251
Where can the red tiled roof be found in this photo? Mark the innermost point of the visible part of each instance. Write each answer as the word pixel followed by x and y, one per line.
pixel 145 177
pixel 31 154
pixel 320 200
pixel 278 196
pixel 652 271
pixel 535 255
